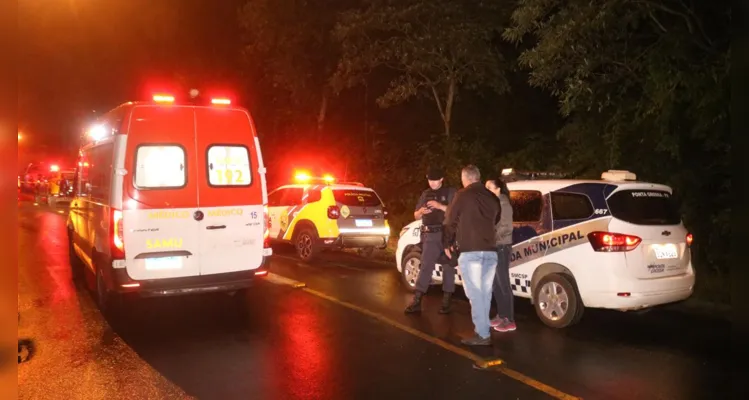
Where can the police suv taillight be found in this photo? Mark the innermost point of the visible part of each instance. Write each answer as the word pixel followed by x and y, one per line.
pixel 334 212
pixel 266 230
pixel 613 242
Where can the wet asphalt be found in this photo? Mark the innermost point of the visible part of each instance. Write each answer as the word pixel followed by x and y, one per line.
pixel 286 343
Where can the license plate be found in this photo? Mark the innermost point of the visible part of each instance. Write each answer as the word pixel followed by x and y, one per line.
pixel 163 263
pixel 364 223
pixel 665 251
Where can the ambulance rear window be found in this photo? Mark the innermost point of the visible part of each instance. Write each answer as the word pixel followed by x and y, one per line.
pixel 357 198
pixel 644 207
pixel 160 167
pixel 229 165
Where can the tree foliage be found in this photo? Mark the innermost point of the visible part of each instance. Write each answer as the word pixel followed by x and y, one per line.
pixel 644 85
pixel 434 48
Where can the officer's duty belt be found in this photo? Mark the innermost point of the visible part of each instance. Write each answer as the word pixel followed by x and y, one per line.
pixel 431 228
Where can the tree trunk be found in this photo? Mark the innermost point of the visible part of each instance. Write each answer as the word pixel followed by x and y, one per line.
pixel 447 118
pixel 321 115
pixel 446 111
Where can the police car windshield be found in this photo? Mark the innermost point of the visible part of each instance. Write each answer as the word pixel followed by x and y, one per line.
pixel 356 198
pixel 644 207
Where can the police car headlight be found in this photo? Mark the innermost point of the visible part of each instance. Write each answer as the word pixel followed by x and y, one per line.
pixel 403 232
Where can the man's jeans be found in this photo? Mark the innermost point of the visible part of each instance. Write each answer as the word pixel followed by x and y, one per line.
pixel 477 269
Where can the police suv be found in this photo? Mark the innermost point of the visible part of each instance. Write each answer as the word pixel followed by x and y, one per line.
pixel 315 214
pixel 614 243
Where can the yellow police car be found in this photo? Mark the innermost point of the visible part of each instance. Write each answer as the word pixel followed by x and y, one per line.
pixel 318 213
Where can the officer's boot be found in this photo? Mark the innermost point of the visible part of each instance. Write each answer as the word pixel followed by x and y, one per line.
pixel 415 306
pixel 446 303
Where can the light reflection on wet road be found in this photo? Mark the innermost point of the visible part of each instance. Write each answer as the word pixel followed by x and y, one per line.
pixel 289 344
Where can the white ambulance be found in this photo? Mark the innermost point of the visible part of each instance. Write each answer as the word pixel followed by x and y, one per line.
pixel 613 243
pixel 169 199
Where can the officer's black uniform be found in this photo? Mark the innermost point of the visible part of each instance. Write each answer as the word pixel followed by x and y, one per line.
pixel 431 246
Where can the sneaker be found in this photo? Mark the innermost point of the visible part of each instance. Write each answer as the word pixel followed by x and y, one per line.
pixel 477 340
pixel 495 321
pixel 505 325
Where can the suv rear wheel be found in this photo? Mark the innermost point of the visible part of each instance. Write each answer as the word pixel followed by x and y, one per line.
pixel 306 245
pixel 557 301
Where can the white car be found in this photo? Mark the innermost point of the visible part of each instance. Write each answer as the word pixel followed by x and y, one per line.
pixel 614 243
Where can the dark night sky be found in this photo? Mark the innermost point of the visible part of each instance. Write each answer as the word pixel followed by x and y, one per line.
pixel 82 55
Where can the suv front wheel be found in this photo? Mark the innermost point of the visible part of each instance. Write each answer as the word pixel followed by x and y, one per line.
pixel 410 269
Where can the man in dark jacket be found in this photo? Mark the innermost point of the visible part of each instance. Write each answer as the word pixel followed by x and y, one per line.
pixel 470 222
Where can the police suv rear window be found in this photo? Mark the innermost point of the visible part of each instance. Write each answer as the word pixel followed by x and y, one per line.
pixel 570 206
pixel 644 207
pixel 526 205
pixel 356 198
pixel 229 165
pixel 160 167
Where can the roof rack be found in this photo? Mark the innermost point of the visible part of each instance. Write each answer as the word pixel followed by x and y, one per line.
pixel 350 183
pixel 515 175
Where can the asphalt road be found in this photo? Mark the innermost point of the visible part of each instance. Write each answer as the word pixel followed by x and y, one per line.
pixel 344 336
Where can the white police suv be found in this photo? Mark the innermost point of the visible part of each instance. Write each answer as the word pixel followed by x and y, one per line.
pixel 614 243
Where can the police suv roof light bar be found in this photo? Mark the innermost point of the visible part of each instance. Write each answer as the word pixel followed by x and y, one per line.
pixel 515 175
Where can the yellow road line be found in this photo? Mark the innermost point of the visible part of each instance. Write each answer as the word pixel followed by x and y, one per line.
pixel 492 364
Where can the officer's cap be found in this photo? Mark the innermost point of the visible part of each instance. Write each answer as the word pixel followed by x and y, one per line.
pixel 435 174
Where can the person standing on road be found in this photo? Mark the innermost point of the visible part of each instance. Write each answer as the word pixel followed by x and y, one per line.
pixel 505 319
pixel 430 209
pixel 470 221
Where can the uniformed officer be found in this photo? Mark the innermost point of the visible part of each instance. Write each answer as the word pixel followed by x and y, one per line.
pixel 431 210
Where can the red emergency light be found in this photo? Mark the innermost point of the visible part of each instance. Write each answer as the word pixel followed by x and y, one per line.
pixel 221 101
pixel 163 98
pixel 54 168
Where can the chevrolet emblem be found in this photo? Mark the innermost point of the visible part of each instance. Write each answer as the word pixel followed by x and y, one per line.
pixel 666 233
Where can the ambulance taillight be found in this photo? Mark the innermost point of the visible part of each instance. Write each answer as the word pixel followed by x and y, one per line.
pixel 117 233
pixel 334 212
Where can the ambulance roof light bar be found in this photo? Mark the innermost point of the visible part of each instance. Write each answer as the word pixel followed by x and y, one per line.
pixel 163 98
pixel 221 101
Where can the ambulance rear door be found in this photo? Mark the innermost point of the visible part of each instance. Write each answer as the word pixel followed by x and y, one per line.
pixel 160 203
pixel 230 188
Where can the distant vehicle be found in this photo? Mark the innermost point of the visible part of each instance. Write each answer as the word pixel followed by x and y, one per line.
pixel 57 187
pixel 34 174
pixel 169 200
pixel 615 243
pixel 318 213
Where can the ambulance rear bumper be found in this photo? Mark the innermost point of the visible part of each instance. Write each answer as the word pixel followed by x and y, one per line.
pixel 226 282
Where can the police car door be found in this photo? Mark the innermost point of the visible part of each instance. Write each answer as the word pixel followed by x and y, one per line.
pixel 230 191
pixel 160 193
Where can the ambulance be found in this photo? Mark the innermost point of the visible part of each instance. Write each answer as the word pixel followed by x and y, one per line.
pixel 614 243
pixel 169 199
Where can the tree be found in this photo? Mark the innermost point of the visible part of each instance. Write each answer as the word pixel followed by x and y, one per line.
pixel 434 47
pixel 644 85
pixel 289 48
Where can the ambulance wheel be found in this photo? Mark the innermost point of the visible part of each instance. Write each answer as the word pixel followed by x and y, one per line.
pixel 410 269
pixel 76 265
pixel 556 301
pixel 306 245
pixel 108 302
